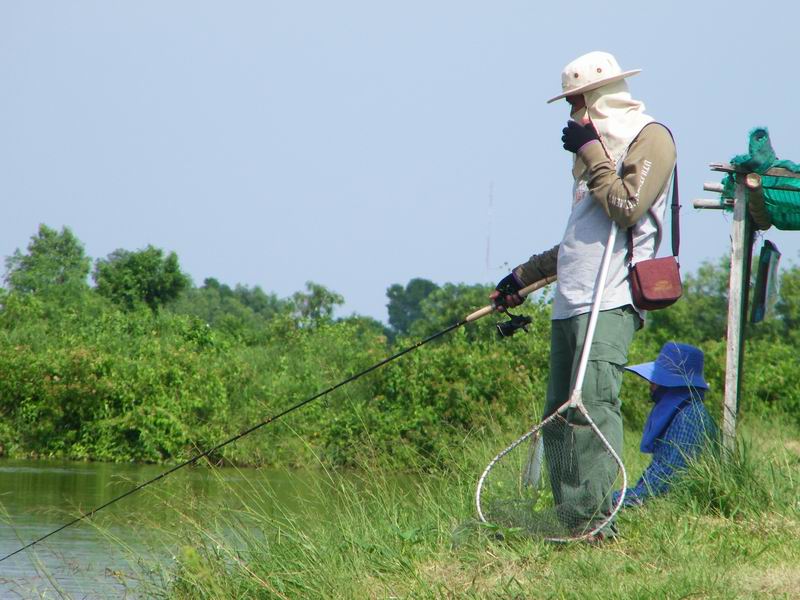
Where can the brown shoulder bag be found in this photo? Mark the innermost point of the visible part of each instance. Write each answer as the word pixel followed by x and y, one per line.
pixel 656 283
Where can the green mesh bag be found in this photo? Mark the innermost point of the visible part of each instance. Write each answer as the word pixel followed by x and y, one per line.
pixel 778 202
pixel 782 201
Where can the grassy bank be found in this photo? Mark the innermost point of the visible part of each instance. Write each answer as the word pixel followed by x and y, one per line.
pixel 727 531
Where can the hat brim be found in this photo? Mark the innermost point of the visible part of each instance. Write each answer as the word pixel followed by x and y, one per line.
pixel 595 84
pixel 644 370
pixel 655 374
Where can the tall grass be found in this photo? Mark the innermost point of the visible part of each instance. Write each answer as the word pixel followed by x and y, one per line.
pixel 729 529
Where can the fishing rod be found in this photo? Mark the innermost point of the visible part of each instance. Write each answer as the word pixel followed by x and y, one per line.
pixel 505 329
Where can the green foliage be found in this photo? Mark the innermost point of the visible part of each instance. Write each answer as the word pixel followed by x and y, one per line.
pixel 426 399
pixel 102 374
pixel 55 262
pixel 262 304
pixel 295 364
pixel 114 387
pixel 449 304
pixel 405 303
pixel 315 304
pixel 240 312
pixel 144 276
pixel 770 382
pixel 788 307
pixel 701 314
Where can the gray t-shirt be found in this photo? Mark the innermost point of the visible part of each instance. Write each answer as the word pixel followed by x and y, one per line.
pixel 580 255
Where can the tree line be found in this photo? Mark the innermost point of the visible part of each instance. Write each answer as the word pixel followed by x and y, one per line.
pixel 145 366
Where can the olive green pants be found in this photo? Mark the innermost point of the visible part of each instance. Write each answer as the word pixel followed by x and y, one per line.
pixel 582 472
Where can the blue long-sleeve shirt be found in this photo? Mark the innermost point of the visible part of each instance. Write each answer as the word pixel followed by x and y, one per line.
pixel 684 438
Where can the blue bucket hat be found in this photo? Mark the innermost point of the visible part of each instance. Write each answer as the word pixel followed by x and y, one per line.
pixel 677 365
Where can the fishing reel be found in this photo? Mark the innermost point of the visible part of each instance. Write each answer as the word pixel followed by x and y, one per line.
pixel 514 324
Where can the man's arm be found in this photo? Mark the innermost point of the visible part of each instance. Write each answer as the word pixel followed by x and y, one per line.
pixel 537 267
pixel 645 173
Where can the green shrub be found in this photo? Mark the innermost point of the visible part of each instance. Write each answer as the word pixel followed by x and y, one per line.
pixel 80 378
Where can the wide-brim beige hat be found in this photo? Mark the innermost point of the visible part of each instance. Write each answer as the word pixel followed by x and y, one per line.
pixel 589 72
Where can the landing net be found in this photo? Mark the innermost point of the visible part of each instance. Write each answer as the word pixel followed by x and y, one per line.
pixel 555 482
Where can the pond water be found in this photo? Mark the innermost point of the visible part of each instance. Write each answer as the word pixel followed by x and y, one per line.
pixel 89 559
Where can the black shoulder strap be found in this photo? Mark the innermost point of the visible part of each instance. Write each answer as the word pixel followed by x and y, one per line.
pixel 676 212
pixel 676 207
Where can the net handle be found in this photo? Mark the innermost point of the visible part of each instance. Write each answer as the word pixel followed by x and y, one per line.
pixel 576 396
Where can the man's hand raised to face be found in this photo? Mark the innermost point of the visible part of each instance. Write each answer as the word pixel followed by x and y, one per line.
pixel 575 135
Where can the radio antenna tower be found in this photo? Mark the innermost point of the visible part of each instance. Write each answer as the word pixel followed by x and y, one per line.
pixel 489 228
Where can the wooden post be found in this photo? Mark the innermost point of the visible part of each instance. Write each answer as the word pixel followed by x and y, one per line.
pixel 739 285
pixel 742 233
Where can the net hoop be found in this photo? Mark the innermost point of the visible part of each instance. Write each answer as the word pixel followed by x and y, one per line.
pixel 580 406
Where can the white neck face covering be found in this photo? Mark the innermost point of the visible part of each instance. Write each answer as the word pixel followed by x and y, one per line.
pixel 616 116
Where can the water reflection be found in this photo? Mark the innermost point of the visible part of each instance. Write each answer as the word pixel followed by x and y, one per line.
pixel 87 559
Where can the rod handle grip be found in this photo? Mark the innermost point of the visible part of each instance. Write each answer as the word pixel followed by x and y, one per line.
pixel 524 292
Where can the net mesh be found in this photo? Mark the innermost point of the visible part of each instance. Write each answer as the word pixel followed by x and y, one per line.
pixel 557 484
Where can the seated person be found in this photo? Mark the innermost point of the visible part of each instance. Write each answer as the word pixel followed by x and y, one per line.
pixel 678 425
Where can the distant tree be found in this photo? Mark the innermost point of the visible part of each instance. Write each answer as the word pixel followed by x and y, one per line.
pixel 317 303
pixel 449 304
pixel 129 278
pixel 256 299
pixel 367 327
pixel 53 260
pixel 211 283
pixel 405 304
pixel 210 303
pixel 241 311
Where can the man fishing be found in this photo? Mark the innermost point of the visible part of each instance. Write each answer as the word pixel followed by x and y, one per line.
pixel 678 427
pixel 622 167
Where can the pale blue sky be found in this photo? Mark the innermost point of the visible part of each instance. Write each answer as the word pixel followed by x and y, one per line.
pixel 355 143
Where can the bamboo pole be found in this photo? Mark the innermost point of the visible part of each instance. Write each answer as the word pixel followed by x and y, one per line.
pixel 772 171
pixel 709 203
pixel 755 201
